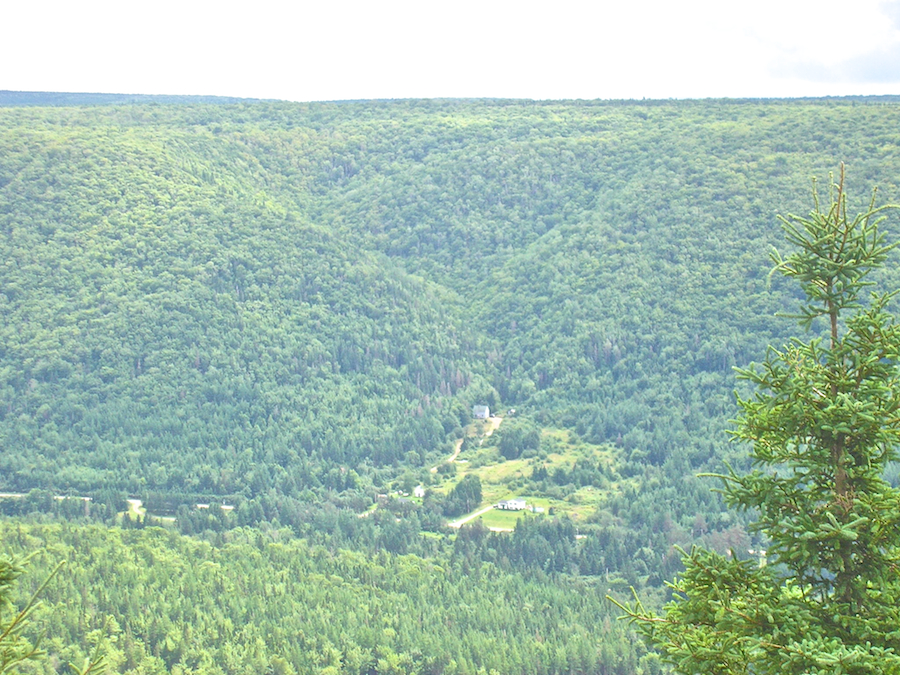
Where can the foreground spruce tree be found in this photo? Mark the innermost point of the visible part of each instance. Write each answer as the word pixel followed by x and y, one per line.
pixel 16 650
pixel 823 424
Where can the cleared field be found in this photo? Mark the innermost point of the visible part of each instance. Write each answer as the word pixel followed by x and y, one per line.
pixel 507 478
pixel 501 520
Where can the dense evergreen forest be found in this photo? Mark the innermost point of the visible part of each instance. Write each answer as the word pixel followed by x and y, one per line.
pixel 266 602
pixel 292 308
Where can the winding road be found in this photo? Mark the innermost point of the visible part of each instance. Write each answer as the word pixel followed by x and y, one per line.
pixel 495 424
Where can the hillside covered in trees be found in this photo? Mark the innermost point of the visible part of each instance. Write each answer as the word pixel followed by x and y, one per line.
pixel 292 308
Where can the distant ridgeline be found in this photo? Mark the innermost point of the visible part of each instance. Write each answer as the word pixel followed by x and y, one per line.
pixel 300 299
pixel 51 98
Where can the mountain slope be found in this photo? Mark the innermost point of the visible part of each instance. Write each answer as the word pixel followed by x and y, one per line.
pixel 167 326
pixel 240 298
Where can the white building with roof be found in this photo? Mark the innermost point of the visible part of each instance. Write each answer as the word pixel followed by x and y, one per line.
pixel 481 412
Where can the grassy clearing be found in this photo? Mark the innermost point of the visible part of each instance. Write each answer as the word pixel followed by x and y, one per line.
pixel 504 479
pixel 561 447
pixel 583 503
pixel 506 520
pixel 501 520
pixel 494 492
pixel 504 471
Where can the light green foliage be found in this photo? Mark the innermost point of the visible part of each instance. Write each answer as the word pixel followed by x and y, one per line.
pixel 823 424
pixel 15 647
pixel 17 651
pixel 264 601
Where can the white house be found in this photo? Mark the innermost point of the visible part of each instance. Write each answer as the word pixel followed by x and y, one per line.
pixel 481 412
pixel 418 491
pixel 512 505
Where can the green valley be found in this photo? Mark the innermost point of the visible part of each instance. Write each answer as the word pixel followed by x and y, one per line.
pixel 291 310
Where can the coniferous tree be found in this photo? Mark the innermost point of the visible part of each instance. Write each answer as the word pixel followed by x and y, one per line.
pixel 15 647
pixel 823 425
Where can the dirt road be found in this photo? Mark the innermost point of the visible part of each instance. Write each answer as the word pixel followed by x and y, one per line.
pixel 472 516
pixel 495 424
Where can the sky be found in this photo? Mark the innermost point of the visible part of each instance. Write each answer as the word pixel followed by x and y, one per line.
pixel 315 51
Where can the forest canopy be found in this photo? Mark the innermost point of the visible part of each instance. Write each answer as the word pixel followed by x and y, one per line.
pixel 267 324
pixel 229 299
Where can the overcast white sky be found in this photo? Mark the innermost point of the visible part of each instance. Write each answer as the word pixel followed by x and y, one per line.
pixel 309 51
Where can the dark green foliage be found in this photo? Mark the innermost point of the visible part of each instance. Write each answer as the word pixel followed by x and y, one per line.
pixel 241 298
pixel 516 436
pixel 823 425
pixel 464 497
pixel 546 544
pixel 294 307
pixel 177 330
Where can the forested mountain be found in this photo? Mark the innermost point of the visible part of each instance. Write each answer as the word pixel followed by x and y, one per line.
pixel 171 329
pixel 195 293
pixel 293 307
